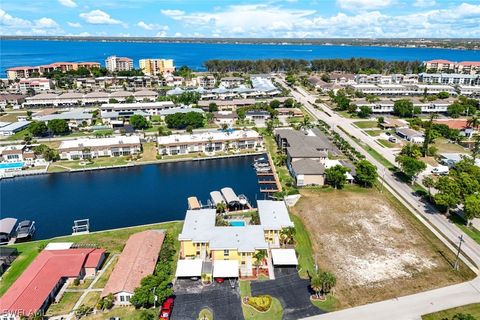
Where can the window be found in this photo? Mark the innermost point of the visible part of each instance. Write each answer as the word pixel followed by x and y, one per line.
pixel 226 253
pixel 127 298
pixel 122 298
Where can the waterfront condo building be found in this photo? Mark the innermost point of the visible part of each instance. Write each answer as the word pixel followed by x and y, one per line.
pixel 209 142
pixel 153 67
pixel 103 147
pixel 114 64
pixel 35 71
pixel 446 66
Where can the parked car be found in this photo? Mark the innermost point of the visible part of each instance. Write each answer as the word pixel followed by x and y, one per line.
pixel 441 170
pixel 219 280
pixel 392 139
pixel 167 308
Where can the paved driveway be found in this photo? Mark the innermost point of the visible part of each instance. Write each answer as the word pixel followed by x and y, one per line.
pixel 292 291
pixel 192 297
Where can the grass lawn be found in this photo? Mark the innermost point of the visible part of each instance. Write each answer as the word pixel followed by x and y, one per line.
pixel 83 285
pixel 291 120
pixel 205 314
pixel 445 147
pixel 377 156
pixel 91 299
pixel 11 117
pixel 19 135
pixel 330 304
pixel 124 313
pixel 275 311
pixel 386 143
pixel 366 124
pixel 469 230
pixel 97 162
pixel 473 309
pixel 303 248
pixel 102 281
pixel 65 305
pixel 113 241
pixel 149 151
pixel 347 114
pixel 374 133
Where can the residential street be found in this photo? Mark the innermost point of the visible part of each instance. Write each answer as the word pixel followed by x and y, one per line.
pixel 410 307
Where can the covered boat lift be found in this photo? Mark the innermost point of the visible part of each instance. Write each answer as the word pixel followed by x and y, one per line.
pixel 7 226
pixel 230 196
pixel 189 268
pixel 216 197
pixel 193 203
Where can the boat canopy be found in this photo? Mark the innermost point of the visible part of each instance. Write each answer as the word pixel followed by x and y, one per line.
pixel 193 203
pixel 217 197
pixel 7 225
pixel 230 195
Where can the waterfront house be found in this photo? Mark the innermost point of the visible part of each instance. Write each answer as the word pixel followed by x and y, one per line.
pixel 137 260
pixel 16 153
pixel 44 278
pixel 209 142
pixel 229 250
pixel 88 148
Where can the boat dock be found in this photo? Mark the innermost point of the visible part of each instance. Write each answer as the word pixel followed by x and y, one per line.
pixel 269 177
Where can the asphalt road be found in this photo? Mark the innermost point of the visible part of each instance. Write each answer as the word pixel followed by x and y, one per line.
pixel 409 307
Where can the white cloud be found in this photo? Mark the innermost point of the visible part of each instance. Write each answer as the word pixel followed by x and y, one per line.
pixel 98 17
pixel 8 20
pixel 81 34
pixel 161 34
pixel 46 23
pixel 177 34
pixel 361 5
pixel 74 24
pixel 151 26
pixel 424 3
pixel 68 3
pixel 173 13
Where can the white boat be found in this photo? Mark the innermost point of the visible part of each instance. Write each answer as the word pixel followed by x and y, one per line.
pixel 264 169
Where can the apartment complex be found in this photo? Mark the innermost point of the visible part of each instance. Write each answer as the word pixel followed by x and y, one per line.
pixel 35 71
pixel 209 142
pixel 387 105
pixel 446 66
pixel 40 283
pixel 386 79
pixel 137 260
pixel 155 67
pixel 229 250
pixel 450 78
pixel 16 153
pixel 404 89
pixel 151 108
pixel 115 64
pixel 103 147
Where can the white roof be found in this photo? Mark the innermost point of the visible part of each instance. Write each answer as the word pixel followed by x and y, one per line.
pixel 58 246
pixel 7 225
pixel 199 226
pixel 86 143
pixel 225 269
pixel 138 105
pixel 206 136
pixel 216 197
pixel 15 126
pixel 72 115
pixel 189 268
pixel 229 195
pixel 284 257
pixel 273 215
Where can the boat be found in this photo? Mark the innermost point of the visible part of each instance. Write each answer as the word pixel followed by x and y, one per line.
pixel 263 169
pixel 261 165
pixel 25 230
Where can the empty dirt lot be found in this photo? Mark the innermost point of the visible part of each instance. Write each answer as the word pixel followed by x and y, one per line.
pixel 374 246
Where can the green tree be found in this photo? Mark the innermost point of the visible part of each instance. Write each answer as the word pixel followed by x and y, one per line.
pixel 38 128
pixel 316 284
pixel 274 104
pixel 455 109
pixel 429 183
pixel 411 150
pixel 474 122
pixel 404 108
pixel 476 147
pixel 449 193
pixel 189 129
pixel 147 315
pixel 366 173
pixel 328 280
pixel 411 167
pixel 58 127
pixel 287 235
pixel 443 95
pixel 365 112
pixel 212 107
pixel 138 122
pixel 182 120
pixel 472 206
pixel 463 316
pixel 259 256
pixel 335 176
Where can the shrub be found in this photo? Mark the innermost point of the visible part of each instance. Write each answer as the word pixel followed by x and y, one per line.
pixel 261 303
pixel 76 282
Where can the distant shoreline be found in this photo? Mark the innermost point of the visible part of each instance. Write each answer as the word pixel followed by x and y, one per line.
pixel 453 43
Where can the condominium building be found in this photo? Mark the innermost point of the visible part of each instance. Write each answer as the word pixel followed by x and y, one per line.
pixel 151 108
pixel 35 71
pixel 386 79
pixel 404 89
pixel 387 105
pixel 114 64
pixel 209 142
pixel 446 66
pixel 156 66
pixel 104 147
pixel 450 78
pixel 35 84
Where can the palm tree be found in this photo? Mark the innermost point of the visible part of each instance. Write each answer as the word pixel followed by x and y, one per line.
pixel 259 256
pixel 221 207
pixel 474 122
pixel 306 123
pixel 316 284
pixel 328 280
pixel 286 235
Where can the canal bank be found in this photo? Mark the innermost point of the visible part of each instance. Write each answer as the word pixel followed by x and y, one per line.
pixel 123 197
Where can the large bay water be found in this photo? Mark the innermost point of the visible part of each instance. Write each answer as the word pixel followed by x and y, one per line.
pixel 117 198
pixel 33 52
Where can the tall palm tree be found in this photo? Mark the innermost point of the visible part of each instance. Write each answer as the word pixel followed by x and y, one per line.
pixel 306 123
pixel 474 122
pixel 316 284
pixel 259 256
pixel 286 235
pixel 328 280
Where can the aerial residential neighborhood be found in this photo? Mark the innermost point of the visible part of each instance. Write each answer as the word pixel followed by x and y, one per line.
pixel 272 160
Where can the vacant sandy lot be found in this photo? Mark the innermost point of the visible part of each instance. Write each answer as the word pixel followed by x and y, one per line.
pixel 374 247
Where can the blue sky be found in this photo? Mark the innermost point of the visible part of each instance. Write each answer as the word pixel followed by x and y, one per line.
pixel 217 18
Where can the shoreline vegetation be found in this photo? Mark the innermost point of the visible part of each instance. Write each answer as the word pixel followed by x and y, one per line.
pixel 446 43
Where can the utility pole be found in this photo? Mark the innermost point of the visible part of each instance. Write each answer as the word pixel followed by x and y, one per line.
pixel 383 180
pixel 455 266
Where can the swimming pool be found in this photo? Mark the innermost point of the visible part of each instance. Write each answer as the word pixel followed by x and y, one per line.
pixel 237 223
pixel 11 165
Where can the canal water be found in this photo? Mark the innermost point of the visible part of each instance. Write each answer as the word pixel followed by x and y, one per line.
pixel 115 198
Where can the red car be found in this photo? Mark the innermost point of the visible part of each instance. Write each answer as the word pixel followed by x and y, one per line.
pixel 219 280
pixel 166 311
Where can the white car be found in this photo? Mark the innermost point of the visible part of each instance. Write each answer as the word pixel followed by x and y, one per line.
pixel 441 170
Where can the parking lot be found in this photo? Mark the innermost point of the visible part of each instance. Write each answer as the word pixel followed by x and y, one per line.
pixel 292 291
pixel 191 297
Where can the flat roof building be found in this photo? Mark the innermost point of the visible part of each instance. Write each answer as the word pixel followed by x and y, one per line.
pixel 87 148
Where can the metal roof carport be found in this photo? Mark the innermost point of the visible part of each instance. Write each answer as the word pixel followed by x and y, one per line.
pixel 284 257
pixel 225 269
pixel 189 268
